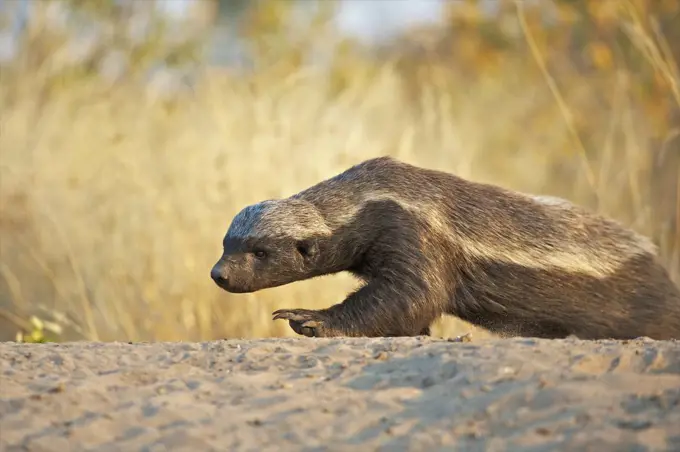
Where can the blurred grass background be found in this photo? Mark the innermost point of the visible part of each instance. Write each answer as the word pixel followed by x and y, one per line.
pixel 125 152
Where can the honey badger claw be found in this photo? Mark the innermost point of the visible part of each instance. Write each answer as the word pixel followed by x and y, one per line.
pixel 302 321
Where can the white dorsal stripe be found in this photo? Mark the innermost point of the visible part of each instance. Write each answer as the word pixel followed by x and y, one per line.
pixel 571 257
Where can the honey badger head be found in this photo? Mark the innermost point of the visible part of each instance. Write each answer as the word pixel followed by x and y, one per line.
pixel 270 244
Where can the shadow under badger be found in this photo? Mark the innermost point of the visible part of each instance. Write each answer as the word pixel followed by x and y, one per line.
pixel 427 243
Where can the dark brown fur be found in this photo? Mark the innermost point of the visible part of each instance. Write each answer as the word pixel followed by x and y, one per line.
pixel 428 243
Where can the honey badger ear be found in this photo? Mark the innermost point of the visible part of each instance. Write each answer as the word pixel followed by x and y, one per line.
pixel 307 248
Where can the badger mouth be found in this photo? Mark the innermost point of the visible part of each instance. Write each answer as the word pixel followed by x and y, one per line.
pixel 237 289
pixel 227 287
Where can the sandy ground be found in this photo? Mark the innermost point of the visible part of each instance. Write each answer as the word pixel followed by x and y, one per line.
pixel 308 394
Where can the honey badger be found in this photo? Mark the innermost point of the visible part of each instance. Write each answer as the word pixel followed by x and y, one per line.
pixel 427 243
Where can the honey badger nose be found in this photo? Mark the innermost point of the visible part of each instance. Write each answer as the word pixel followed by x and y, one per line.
pixel 217 274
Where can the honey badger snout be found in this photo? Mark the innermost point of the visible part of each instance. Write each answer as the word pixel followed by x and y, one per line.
pixel 233 275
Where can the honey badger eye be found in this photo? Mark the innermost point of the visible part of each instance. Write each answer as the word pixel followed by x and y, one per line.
pixel 260 254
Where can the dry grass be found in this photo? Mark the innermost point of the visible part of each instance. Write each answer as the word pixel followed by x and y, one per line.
pixel 114 203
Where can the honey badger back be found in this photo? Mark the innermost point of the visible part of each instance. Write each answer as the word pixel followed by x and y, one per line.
pixel 428 243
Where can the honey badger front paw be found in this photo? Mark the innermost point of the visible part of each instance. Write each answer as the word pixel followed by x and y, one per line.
pixel 304 322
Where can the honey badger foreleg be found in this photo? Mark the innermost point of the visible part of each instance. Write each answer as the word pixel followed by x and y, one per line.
pixel 379 309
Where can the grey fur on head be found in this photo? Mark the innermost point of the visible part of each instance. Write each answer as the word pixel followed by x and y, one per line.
pixel 287 217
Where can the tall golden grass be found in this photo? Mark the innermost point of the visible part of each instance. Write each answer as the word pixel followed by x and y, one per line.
pixel 114 202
